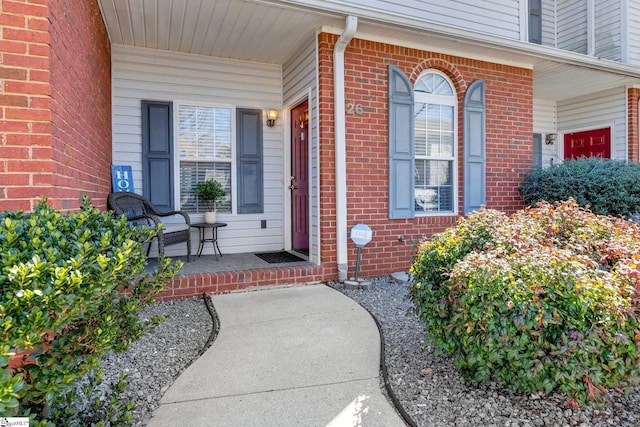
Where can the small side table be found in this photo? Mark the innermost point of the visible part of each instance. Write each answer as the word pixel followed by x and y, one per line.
pixel 202 227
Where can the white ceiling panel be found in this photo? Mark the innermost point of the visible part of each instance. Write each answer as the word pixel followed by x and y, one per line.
pixel 238 29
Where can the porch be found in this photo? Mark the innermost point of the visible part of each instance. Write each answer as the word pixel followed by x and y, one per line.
pixel 231 272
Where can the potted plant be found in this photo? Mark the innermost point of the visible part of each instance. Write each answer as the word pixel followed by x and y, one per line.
pixel 209 192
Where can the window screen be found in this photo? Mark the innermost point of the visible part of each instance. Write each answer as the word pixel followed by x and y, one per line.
pixel 434 143
pixel 204 144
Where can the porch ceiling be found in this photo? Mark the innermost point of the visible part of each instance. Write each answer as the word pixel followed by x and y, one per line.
pixel 272 31
pixel 238 29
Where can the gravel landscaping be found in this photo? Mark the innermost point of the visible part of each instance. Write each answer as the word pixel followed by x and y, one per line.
pixel 434 394
pixel 153 362
pixel 426 383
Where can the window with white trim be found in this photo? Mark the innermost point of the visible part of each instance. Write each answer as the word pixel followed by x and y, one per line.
pixel 205 137
pixel 435 142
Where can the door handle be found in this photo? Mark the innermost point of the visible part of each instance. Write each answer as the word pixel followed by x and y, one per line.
pixel 292 187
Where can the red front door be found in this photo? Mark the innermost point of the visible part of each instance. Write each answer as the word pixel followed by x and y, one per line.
pixel 591 143
pixel 300 178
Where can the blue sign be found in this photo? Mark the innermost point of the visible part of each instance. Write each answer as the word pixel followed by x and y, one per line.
pixel 122 178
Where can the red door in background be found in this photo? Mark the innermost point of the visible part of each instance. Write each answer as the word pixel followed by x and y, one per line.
pixel 591 143
pixel 300 178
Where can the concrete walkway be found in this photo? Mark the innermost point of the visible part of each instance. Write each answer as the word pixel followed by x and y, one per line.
pixel 298 356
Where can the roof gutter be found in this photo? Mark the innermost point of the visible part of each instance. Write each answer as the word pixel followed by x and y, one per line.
pixel 351 25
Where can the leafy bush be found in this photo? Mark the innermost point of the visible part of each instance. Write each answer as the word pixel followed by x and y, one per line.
pixel 549 302
pixel 608 187
pixel 113 408
pixel 71 288
pixel 436 259
pixel 109 407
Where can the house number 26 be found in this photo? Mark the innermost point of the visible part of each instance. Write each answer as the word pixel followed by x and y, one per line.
pixel 354 108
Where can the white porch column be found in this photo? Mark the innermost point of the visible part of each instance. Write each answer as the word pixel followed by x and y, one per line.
pixel 341 145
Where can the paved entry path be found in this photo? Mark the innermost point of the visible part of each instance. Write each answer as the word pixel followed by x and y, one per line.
pixel 298 356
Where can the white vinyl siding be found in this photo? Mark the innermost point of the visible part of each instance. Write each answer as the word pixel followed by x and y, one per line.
pixel 565 25
pixel 606 109
pixel 497 17
pixel 633 32
pixel 572 25
pixel 608 28
pixel 545 122
pixel 146 74
pixel 299 78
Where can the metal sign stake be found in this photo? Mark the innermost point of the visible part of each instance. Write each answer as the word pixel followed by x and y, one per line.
pixel 358 262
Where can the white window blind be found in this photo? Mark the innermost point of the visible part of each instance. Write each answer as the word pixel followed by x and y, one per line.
pixel 434 143
pixel 204 144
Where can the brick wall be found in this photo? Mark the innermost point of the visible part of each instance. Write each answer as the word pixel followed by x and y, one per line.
pixel 25 118
pixel 509 129
pixel 237 280
pixel 81 105
pixel 55 112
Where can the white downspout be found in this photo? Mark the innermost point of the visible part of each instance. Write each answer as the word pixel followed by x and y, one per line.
pixel 341 145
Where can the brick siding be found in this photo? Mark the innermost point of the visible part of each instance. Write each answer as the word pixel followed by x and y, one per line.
pixel 55 114
pixel 229 281
pixel 509 147
pixel 633 97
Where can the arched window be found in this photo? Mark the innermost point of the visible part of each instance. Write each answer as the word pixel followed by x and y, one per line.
pixel 435 144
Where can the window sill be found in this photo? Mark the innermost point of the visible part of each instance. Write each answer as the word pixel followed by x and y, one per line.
pixel 432 214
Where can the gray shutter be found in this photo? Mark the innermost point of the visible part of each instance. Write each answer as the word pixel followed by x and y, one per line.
pixel 535 21
pixel 474 147
pixel 157 153
pixel 249 161
pixel 537 151
pixel 401 149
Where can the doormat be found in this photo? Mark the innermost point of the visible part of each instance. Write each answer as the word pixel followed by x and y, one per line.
pixel 279 257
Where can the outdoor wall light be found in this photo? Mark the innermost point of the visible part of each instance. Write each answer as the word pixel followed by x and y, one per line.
pixel 550 138
pixel 272 115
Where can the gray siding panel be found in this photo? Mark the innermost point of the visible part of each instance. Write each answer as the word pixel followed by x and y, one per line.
pixel 633 32
pixel 608 30
pixel 497 17
pixel 572 25
pixel 572 31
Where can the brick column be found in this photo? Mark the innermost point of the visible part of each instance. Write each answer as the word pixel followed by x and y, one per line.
pixel 55 109
pixel 633 96
pixel 25 107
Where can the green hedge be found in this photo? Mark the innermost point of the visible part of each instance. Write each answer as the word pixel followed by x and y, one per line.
pixel 548 302
pixel 608 187
pixel 71 287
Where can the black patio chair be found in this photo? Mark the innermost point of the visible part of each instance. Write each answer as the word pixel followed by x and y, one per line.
pixel 141 212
